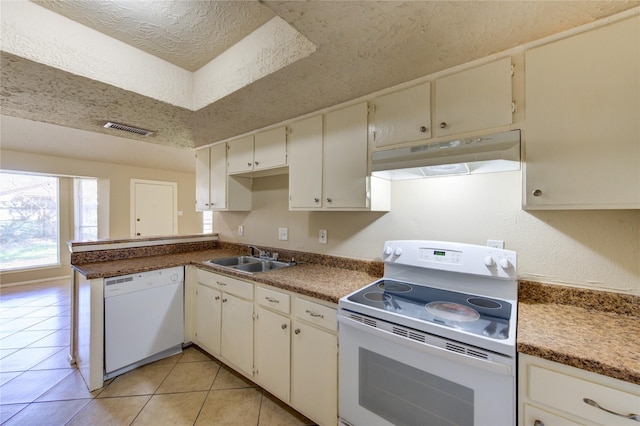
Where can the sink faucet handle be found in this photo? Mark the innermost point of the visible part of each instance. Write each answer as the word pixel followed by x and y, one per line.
pixel 274 256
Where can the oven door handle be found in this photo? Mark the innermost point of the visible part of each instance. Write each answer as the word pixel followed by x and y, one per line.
pixel 485 364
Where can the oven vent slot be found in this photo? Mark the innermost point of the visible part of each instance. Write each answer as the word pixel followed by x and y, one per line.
pixel 400 332
pixel 364 320
pixel 477 354
pixel 455 348
pixel 416 336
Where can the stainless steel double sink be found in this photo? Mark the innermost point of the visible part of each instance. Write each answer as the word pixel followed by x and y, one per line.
pixel 249 264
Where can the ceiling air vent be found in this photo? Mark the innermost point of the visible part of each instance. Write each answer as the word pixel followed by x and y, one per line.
pixel 129 129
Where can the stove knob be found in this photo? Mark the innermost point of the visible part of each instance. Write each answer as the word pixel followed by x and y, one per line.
pixel 504 263
pixel 488 261
pixel 398 251
pixel 388 250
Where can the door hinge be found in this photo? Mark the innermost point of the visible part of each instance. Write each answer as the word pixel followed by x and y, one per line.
pixel 514 107
pixel 513 70
pixel 371 108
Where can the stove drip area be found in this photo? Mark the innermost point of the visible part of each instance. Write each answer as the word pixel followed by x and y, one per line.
pixel 470 313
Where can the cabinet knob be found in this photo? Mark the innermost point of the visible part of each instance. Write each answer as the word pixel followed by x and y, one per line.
pixel 536 192
pixel 224 300
pixel 257 163
pixel 249 164
pixel 297 331
pixel 538 423
pixel 329 200
pixel 217 298
pixel 443 125
pixel 137 234
pixel 423 129
pixel 316 200
pixel 284 326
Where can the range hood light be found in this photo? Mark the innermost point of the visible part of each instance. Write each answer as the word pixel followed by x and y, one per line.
pixel 446 170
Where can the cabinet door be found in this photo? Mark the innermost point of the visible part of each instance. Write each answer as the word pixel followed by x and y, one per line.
pixel 202 179
pixel 240 155
pixel 314 376
pixel 218 176
pixel 237 332
pixel 582 139
pixel 270 149
pixel 208 304
pixel 345 158
pixel 476 99
pixel 305 163
pixel 403 116
pixel 273 360
pixel 534 416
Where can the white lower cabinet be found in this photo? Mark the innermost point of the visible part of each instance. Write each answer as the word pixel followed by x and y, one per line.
pixel 552 394
pixel 224 319
pixel 273 352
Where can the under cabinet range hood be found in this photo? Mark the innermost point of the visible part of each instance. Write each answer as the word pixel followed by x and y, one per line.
pixel 482 154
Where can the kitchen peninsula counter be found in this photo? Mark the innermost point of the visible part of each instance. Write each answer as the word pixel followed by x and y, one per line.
pixel 587 329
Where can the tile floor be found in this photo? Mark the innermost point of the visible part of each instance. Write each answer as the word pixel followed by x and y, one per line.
pixel 39 387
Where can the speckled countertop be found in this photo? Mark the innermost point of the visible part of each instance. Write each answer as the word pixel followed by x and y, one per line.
pixel 591 330
pixel 323 277
pixel 588 329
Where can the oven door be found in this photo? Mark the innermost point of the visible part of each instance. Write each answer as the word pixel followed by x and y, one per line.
pixel 388 379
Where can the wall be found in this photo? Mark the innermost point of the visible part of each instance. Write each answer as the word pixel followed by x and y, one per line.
pixel 114 177
pixel 592 249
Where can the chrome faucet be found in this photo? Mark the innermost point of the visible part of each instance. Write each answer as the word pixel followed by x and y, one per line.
pixel 261 253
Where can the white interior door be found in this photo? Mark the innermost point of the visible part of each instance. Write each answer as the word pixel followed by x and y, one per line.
pixel 154 208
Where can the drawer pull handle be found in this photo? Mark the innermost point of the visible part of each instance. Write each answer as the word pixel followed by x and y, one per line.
pixel 221 283
pixel 313 314
pixel 591 402
pixel 271 299
pixel 538 423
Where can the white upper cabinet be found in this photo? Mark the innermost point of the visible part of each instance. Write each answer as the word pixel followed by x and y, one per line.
pixel 202 179
pixel 475 99
pixel 582 138
pixel 305 164
pixel 240 155
pixel 214 189
pixel 263 151
pixel 402 116
pixel 328 170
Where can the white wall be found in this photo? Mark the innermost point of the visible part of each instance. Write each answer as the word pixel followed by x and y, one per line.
pixel 592 249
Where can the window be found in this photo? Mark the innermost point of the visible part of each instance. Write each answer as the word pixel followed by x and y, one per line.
pixel 29 234
pixel 86 208
pixel 207 221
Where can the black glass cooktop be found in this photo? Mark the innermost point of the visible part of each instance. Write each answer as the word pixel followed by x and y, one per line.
pixel 474 314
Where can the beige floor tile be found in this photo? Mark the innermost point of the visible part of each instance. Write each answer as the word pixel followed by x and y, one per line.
pixel 110 411
pixel 47 413
pixel 18 324
pixel 171 409
pixel 231 407
pixel 193 354
pixel 6 352
pixel 54 323
pixel 58 338
pixel 58 360
pixel 274 412
pixel 141 381
pixel 28 386
pixel 189 377
pixel 5 377
pixel 24 338
pixel 26 358
pixel 229 379
pixel 49 311
pixel 173 359
pixel 18 311
pixel 8 411
pixel 71 387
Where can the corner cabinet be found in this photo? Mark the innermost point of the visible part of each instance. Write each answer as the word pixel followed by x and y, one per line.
pixel 552 394
pixel 214 189
pixel 328 164
pixel 260 152
pixel 582 135
pixel 475 99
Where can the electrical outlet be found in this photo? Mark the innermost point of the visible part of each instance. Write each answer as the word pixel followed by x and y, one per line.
pixel 240 230
pixel 322 236
pixel 495 244
pixel 283 234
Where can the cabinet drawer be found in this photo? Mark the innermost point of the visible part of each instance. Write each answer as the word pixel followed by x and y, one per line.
pixel 567 393
pixel 227 284
pixel 534 416
pixel 273 299
pixel 316 313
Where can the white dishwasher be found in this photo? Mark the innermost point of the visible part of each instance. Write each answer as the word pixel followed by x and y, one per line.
pixel 143 318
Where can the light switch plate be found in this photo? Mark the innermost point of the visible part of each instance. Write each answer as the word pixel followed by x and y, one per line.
pixel 240 230
pixel 322 236
pixel 283 234
pixel 495 244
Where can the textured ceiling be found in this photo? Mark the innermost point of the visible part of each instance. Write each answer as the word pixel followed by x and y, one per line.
pixel 361 47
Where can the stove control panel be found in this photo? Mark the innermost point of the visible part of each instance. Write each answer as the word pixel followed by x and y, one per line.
pixel 455 257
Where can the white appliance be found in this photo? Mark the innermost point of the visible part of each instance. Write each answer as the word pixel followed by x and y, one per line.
pixel 433 341
pixel 143 319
